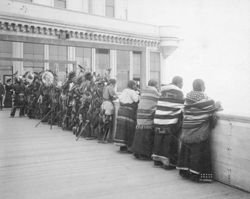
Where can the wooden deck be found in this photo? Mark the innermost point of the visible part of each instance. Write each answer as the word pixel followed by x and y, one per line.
pixel 43 163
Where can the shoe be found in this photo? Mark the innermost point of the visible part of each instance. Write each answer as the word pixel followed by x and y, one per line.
pixel 170 167
pixel 158 163
pixel 184 173
pixel 123 149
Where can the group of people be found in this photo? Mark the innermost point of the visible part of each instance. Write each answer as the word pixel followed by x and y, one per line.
pixel 78 104
pixel 172 130
pixel 163 126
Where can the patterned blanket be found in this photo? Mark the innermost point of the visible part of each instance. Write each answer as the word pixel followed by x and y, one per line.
pixel 169 107
pixel 198 121
pixel 146 108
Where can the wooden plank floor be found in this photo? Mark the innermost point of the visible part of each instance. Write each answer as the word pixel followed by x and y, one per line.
pixel 43 163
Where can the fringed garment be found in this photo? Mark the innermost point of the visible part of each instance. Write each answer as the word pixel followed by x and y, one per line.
pixel 195 157
pixel 167 122
pixel 144 134
pixel 126 122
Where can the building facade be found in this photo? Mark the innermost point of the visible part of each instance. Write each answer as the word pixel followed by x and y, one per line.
pixel 61 34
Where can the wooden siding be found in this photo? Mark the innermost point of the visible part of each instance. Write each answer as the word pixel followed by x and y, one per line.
pixel 231 147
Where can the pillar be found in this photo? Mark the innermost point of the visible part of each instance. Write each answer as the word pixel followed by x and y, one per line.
pixel 143 72
pixel 93 55
pixel 147 66
pixel 46 56
pixel 113 63
pixel 163 69
pixel 131 64
pixel 17 52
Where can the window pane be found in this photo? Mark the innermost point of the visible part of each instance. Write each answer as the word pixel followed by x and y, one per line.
pixel 155 61
pixel 60 3
pixel 5 51
pixel 90 6
pixel 58 53
pixel 110 7
pixel 109 2
pixel 83 57
pixel 102 61
pixel 109 11
pixel 33 51
pixel 136 65
pixel 122 69
pixel 155 66
pixel 27 0
pixel 5 47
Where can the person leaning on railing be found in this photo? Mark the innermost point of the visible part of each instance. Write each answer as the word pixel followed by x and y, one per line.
pixel 199 118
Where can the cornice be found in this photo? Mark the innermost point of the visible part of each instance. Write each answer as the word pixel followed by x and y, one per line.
pixel 69 33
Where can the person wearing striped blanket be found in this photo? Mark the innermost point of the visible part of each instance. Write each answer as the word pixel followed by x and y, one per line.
pixel 144 134
pixel 167 123
pixel 199 118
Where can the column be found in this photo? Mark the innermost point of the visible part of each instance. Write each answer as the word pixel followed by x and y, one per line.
pixel 147 66
pixel 46 56
pixel 93 53
pixel 71 57
pixel 143 69
pixel 113 63
pixel 17 53
pixel 131 64
pixel 163 69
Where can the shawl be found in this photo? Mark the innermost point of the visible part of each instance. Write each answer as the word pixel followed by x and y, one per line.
pixel 147 107
pixel 169 106
pixel 198 118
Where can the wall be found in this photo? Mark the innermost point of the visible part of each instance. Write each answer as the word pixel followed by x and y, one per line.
pixel 230 151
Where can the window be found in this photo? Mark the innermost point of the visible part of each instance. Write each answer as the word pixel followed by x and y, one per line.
pixel 102 61
pixel 5 51
pixel 137 67
pixel 155 66
pixel 33 51
pixel 109 8
pixel 122 69
pixel 83 57
pixel 60 3
pixel 27 0
pixel 58 53
pixel 90 6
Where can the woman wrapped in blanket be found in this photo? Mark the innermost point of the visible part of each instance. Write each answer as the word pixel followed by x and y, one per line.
pixel 199 119
pixel 126 118
pixel 144 134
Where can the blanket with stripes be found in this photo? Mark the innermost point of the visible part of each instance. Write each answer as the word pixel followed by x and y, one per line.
pixel 169 107
pixel 198 120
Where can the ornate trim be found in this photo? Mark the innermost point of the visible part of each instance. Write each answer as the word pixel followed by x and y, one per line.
pixel 61 33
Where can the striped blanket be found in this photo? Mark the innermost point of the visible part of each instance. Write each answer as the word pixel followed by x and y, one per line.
pixel 146 107
pixel 198 120
pixel 169 106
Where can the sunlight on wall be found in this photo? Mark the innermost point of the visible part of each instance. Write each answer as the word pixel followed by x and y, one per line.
pixel 215 46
